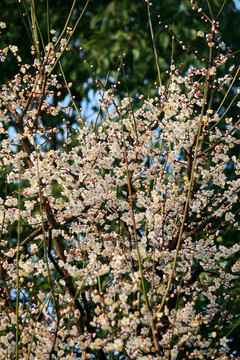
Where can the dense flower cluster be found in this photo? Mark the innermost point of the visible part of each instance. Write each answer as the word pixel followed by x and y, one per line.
pixel 120 253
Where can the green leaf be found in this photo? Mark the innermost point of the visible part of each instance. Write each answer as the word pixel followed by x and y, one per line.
pixel 136 54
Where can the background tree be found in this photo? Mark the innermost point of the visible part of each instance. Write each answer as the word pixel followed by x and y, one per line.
pixel 110 28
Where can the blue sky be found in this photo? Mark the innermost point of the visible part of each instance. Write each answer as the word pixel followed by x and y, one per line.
pixel 237 3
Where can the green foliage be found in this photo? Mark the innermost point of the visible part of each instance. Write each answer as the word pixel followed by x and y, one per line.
pixel 109 29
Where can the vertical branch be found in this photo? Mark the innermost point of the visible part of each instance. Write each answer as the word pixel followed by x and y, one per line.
pixel 129 99
pixel 2 271
pixel 154 46
pixel 55 303
pixel 17 263
pixel 34 26
pixel 181 228
pixel 69 38
pixel 66 23
pixel 69 92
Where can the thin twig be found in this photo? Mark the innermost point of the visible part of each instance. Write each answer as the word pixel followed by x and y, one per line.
pixel 154 46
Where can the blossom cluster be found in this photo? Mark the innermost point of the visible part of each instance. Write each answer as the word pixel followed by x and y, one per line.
pixel 110 242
